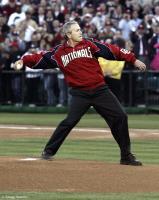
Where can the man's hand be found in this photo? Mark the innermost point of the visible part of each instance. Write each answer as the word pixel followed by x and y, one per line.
pixel 18 65
pixel 140 65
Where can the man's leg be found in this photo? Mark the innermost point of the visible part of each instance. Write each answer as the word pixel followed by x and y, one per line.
pixel 78 107
pixel 107 105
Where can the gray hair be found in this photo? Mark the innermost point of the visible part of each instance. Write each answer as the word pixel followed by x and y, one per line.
pixel 67 26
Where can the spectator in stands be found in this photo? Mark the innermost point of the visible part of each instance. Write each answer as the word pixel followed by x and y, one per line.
pixel 63 91
pixel 17 16
pixel 25 5
pixel 140 39
pixel 58 15
pixel 51 87
pixel 141 48
pixel 135 21
pixel 156 15
pixel 89 30
pixel 86 20
pixel 124 25
pixel 16 78
pixel 27 27
pixel 116 14
pixel 13 36
pixel 154 46
pixel 40 16
pixel 4 29
pixel 109 30
pixel 48 19
pixel 33 82
pixel 9 7
pixel 6 78
pixel 4 55
pixel 58 36
pixel 50 76
pixel 99 20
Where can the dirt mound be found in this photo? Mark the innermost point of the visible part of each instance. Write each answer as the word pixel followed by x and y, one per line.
pixel 75 176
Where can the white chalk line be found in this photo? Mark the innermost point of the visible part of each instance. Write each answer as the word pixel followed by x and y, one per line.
pixel 29 159
pixel 100 130
pixel 133 132
pixel 95 130
pixel 53 128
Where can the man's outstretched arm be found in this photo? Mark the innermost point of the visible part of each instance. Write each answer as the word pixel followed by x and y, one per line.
pixel 39 60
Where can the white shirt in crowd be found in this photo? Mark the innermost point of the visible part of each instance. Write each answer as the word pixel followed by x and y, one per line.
pixel 16 18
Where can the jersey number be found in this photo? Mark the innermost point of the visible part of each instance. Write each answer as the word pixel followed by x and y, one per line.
pixel 125 51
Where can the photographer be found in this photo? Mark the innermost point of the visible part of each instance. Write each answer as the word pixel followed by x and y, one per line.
pixel 140 39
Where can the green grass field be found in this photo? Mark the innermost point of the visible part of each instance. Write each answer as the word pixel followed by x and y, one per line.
pixel 78 196
pixel 101 150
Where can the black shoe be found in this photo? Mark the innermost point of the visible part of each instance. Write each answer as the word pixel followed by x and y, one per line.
pixel 130 159
pixel 46 156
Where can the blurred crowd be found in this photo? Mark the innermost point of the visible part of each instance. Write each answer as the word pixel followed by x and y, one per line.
pixel 27 26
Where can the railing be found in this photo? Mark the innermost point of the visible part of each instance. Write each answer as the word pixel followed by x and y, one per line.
pixel 49 88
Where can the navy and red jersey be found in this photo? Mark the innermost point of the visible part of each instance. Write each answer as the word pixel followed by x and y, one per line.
pixel 79 64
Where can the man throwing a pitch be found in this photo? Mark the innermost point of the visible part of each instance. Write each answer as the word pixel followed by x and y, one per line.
pixel 77 59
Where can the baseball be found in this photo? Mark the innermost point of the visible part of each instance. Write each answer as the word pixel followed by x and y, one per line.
pixel 18 66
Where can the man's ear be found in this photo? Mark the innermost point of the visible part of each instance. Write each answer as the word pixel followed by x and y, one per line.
pixel 68 35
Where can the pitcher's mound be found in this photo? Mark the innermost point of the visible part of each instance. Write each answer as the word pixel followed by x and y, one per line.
pixel 34 174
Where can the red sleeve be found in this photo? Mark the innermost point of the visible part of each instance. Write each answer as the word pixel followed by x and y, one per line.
pixel 94 48
pixel 121 53
pixel 31 60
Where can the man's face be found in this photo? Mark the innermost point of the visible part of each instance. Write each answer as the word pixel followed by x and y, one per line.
pixel 75 33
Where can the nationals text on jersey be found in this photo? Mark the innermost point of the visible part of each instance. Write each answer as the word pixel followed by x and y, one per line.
pixel 76 54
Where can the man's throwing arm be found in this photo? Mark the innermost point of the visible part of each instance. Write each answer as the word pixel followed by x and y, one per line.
pixel 40 60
